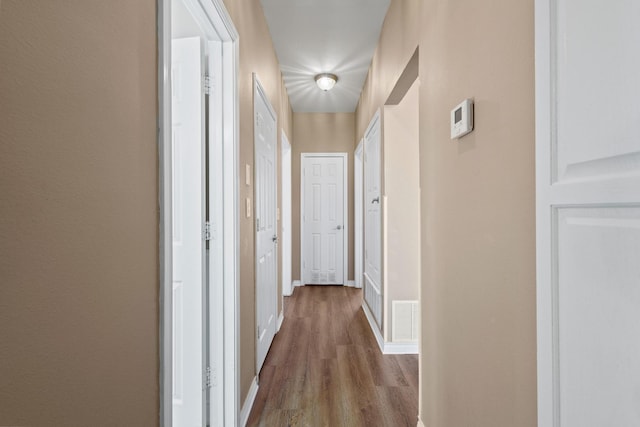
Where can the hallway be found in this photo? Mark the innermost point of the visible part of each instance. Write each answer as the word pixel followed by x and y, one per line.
pixel 325 368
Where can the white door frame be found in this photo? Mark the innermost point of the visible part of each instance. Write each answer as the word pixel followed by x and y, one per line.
pixel 285 217
pixel 218 26
pixel 345 159
pixel 358 204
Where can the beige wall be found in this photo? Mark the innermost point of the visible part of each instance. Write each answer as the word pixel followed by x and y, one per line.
pixel 478 352
pixel 398 41
pixel 79 218
pixel 320 133
pixel 78 213
pixel 478 201
pixel 402 203
pixel 256 56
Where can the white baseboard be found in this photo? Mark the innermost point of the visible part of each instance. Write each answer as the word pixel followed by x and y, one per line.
pixel 296 283
pixel 351 283
pixel 388 347
pixel 280 320
pixel 373 325
pixel 420 423
pixel 248 402
pixel 400 348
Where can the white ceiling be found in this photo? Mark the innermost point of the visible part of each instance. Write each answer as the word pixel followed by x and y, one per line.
pixel 324 36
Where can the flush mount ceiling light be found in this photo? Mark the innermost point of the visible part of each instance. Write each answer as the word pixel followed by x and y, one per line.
pixel 326 81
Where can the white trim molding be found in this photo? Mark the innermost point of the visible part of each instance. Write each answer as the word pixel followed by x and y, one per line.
pixel 351 283
pixel 296 283
pixel 280 320
pixel 358 223
pixel 420 423
pixel 385 346
pixel 248 402
pixel 373 325
pixel 285 213
pixel 400 348
pixel 166 209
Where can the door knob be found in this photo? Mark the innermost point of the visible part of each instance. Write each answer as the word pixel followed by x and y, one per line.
pixel 274 239
pixel 376 200
pixel 339 227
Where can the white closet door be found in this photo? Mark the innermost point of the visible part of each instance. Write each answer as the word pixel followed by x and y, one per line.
pixel 188 218
pixel 266 229
pixel 323 225
pixel 588 212
pixel 373 219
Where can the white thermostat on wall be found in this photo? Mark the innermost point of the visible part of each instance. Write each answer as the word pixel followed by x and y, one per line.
pixel 462 119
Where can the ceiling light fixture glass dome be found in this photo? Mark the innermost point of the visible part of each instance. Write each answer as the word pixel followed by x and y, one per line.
pixel 326 81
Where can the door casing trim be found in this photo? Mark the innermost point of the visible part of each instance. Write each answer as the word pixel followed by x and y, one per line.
pixel 358 215
pixel 214 14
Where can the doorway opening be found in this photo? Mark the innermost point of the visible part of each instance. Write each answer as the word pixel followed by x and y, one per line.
pixel 391 209
pixel 198 152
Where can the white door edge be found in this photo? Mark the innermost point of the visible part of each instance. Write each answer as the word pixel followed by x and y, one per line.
pixel 214 13
pixel 345 157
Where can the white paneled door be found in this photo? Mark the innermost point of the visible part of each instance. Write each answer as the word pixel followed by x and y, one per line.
pixel 588 212
pixel 373 219
pixel 188 218
pixel 265 222
pixel 323 219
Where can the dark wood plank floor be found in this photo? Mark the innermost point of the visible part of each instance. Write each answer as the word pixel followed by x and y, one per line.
pixel 326 369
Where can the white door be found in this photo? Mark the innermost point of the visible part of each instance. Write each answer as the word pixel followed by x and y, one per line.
pixel 323 219
pixel 188 218
pixel 265 216
pixel 372 220
pixel 286 216
pixel 358 203
pixel 588 212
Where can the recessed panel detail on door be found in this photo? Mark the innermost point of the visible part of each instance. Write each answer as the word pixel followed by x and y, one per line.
pixel 598 351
